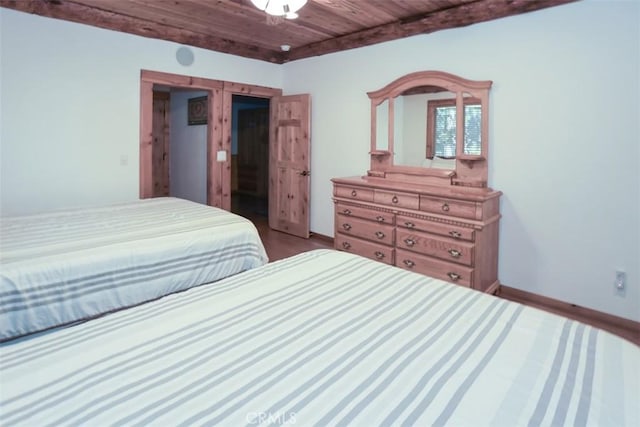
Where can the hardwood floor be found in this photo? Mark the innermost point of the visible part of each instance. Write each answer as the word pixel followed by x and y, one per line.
pixel 280 245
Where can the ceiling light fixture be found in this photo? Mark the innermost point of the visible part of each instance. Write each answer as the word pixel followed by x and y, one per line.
pixel 286 8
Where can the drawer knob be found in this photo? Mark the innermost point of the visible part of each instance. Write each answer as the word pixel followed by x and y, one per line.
pixel 346 226
pixel 409 224
pixel 380 218
pixel 379 234
pixel 346 212
pixel 445 207
pixel 455 234
pixel 354 193
pixel 394 199
pixel 454 253
pixel 453 276
pixel 379 255
pixel 409 263
pixel 409 241
pixel 346 245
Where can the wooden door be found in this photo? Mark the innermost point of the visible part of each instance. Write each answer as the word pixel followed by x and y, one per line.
pixel 289 163
pixel 160 146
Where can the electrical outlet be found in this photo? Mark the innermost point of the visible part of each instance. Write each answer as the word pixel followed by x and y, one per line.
pixel 621 280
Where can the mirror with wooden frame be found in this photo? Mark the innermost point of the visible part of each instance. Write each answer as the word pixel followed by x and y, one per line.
pixel 417 122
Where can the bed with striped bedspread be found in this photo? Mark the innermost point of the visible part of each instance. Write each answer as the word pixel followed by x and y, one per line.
pixel 323 338
pixel 64 266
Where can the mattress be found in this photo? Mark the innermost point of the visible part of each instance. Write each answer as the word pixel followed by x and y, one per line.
pixel 65 266
pixel 324 338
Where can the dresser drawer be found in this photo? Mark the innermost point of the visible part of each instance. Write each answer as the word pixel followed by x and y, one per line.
pixel 369 230
pixel 436 246
pixel 360 212
pixel 401 200
pixel 423 264
pixel 453 231
pixel 450 207
pixel 355 193
pixel 366 249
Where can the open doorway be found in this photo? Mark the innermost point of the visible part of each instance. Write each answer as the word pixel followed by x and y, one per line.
pixel 179 144
pixel 188 145
pixel 288 152
pixel 161 140
pixel 250 156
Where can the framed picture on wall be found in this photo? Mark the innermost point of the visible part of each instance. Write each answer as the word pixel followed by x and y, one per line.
pixel 197 114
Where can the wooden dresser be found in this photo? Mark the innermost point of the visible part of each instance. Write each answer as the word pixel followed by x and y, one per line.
pixel 446 232
pixel 425 204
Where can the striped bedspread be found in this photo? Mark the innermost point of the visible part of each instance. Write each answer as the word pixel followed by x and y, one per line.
pixel 325 338
pixel 60 267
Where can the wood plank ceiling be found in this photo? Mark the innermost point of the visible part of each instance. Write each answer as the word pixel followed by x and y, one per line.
pixel 237 27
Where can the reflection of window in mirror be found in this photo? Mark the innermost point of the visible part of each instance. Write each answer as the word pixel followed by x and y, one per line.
pixel 472 127
pixel 441 125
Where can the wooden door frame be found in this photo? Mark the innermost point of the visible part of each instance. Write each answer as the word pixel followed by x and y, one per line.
pixel 165 98
pixel 219 121
pixel 214 129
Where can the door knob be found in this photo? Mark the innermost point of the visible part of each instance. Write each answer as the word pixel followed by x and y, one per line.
pixel 305 173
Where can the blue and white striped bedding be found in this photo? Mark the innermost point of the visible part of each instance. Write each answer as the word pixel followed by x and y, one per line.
pixel 64 266
pixel 324 338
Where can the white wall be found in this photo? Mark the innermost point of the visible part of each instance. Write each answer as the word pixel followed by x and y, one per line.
pixel 564 134
pixel 188 151
pixel 71 101
pixel 564 128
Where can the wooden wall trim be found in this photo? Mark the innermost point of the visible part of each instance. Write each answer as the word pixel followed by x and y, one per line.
pixel 215 134
pixel 251 90
pixel 180 80
pixel 626 328
pixel 225 145
pixel 146 140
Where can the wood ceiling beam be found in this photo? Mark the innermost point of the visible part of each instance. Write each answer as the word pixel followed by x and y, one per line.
pixel 70 11
pixel 459 16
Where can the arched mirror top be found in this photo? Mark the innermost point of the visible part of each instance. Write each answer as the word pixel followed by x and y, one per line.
pixel 416 123
pixel 434 81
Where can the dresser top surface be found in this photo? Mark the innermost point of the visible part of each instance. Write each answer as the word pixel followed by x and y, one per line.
pixel 464 193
